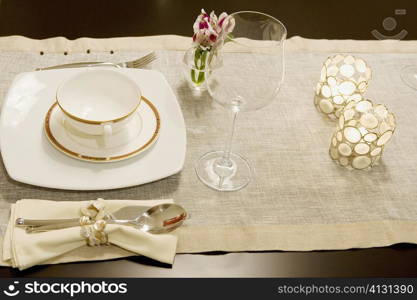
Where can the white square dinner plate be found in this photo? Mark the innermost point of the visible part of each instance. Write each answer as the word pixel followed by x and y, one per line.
pixel 30 158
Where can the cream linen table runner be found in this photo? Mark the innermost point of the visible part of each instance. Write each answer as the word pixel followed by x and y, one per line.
pixel 299 199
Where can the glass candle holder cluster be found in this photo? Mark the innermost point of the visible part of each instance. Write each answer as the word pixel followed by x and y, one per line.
pixel 363 130
pixel 363 127
pixel 343 78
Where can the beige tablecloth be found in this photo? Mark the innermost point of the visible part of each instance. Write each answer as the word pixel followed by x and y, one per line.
pixel 299 200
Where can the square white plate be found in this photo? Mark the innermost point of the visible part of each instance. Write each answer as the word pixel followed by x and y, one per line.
pixel 30 158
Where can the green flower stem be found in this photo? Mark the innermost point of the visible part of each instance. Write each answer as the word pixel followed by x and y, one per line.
pixel 198 73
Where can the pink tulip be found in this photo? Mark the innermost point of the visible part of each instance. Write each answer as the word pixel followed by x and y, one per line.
pixel 222 17
pixel 228 24
pixel 210 31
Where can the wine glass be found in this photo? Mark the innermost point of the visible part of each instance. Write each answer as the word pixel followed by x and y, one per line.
pixel 409 76
pixel 249 79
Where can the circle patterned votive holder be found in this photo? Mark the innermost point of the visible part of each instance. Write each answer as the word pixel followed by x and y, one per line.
pixel 343 78
pixel 363 130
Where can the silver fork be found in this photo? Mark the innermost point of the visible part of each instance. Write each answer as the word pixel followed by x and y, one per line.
pixel 138 63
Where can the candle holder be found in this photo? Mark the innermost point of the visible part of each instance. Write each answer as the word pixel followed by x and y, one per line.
pixel 363 130
pixel 343 78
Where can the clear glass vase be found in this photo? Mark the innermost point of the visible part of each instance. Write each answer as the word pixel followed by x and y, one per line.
pixel 198 65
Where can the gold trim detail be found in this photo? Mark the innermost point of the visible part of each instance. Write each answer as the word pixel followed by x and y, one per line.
pixel 73 154
pixel 98 122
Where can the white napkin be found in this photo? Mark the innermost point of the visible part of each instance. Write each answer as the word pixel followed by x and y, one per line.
pixel 23 250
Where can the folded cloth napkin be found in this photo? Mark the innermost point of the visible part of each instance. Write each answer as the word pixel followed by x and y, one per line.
pixel 23 250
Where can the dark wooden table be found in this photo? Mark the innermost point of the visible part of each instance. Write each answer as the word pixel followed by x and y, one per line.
pixel 354 19
pixel 395 261
pixel 313 19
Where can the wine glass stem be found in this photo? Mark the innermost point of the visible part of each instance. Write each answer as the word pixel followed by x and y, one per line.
pixel 228 147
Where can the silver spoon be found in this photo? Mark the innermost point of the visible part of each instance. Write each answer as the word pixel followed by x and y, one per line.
pixel 157 219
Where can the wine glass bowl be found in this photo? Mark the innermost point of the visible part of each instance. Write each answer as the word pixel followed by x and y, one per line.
pixel 249 79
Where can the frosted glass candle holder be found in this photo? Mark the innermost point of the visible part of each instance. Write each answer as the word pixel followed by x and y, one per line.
pixel 363 130
pixel 343 78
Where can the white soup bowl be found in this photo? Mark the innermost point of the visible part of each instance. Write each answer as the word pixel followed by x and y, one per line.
pixel 98 102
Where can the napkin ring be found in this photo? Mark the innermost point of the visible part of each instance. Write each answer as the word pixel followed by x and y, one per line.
pixel 93 224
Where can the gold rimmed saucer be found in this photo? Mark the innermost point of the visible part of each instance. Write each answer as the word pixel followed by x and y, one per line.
pixel 140 133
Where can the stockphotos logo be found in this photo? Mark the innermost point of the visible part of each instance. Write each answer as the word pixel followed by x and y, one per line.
pixel 12 290
pixel 390 27
pixel 63 288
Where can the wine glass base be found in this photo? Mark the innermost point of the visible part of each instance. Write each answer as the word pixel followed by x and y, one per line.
pixel 409 76
pixel 224 179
